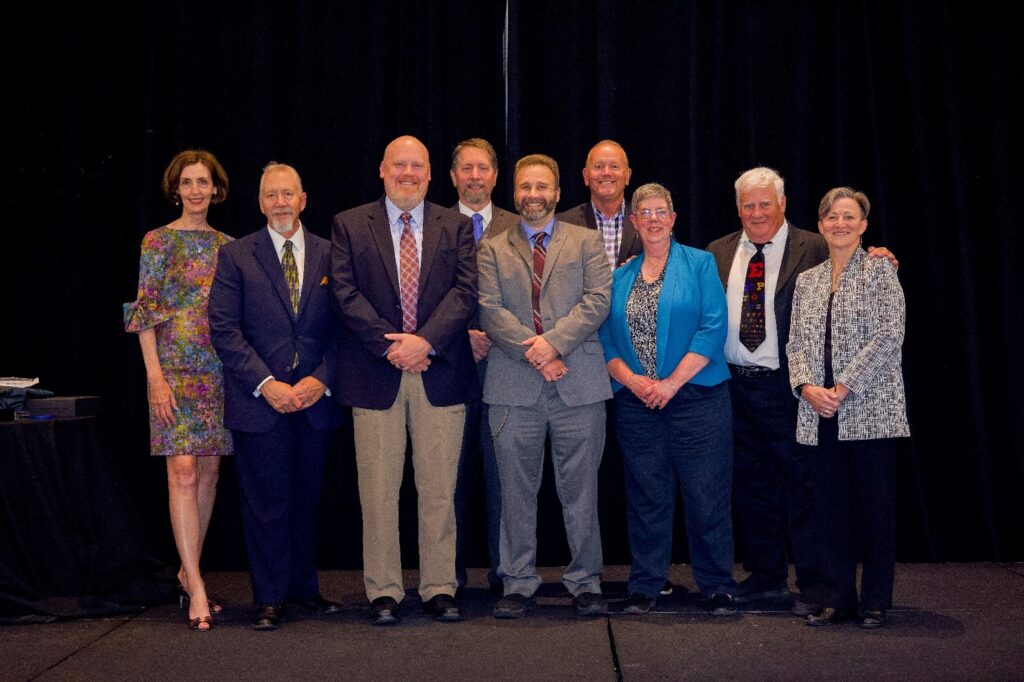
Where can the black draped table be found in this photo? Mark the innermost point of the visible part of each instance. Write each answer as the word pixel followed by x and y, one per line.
pixel 70 542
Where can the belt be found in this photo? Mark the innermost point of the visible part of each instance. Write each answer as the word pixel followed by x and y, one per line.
pixel 752 370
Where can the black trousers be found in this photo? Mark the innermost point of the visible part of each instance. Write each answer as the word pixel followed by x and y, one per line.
pixel 772 493
pixel 279 477
pixel 855 498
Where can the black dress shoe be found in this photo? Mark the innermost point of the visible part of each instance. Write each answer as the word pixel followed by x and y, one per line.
pixel 443 608
pixel 513 605
pixel 589 604
pixel 317 605
pixel 827 616
pixel 721 604
pixel 872 618
pixel 384 611
pixel 267 616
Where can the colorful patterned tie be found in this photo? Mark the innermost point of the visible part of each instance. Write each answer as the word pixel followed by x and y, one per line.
pixel 291 274
pixel 409 275
pixel 752 314
pixel 539 254
pixel 478 226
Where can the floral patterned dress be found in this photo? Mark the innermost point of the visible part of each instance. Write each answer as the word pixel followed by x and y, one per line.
pixel 175 274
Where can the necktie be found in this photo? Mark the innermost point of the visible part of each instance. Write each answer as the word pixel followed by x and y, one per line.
pixel 539 254
pixel 291 274
pixel 478 226
pixel 409 275
pixel 752 315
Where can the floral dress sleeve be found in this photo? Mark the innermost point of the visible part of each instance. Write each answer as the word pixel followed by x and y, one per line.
pixel 148 309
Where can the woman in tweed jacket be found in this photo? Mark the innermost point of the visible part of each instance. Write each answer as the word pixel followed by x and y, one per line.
pixel 845 366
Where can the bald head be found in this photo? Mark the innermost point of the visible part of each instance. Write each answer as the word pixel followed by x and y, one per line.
pixel 406 172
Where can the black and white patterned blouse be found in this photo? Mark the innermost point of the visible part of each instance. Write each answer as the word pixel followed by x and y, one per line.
pixel 642 318
pixel 868 312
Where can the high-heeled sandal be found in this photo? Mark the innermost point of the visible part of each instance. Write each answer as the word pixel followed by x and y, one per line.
pixel 196 623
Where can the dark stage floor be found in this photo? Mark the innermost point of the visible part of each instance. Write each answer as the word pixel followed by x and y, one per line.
pixel 951 622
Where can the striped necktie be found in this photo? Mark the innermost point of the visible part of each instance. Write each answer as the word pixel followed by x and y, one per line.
pixel 540 252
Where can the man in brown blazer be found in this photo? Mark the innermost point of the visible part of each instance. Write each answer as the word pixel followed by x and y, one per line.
pixel 403 277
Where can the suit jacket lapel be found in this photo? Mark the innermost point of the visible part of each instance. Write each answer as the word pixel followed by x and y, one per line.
pixel 551 257
pixel 517 239
pixel 791 258
pixel 725 256
pixel 311 264
pixel 380 230
pixel 431 238
pixel 263 249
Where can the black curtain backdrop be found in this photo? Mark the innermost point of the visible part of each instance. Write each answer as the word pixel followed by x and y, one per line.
pixel 912 103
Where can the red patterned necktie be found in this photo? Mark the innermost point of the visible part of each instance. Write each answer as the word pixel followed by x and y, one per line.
pixel 409 275
pixel 539 254
pixel 752 332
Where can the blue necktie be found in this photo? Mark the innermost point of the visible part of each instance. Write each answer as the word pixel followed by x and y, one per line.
pixel 478 226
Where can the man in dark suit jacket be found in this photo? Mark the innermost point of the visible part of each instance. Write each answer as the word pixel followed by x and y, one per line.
pixel 474 173
pixel 771 482
pixel 404 283
pixel 607 174
pixel 272 326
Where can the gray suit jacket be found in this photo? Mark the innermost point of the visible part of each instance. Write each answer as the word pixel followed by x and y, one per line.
pixel 804 250
pixel 501 220
pixel 630 244
pixel 574 301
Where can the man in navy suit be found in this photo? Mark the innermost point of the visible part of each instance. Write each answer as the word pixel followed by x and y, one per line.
pixel 403 275
pixel 272 326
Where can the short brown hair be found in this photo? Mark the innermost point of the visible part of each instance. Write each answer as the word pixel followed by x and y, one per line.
pixel 537 160
pixel 189 157
pixel 479 143
pixel 837 193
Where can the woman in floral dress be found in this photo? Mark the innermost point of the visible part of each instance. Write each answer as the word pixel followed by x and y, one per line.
pixel 185 385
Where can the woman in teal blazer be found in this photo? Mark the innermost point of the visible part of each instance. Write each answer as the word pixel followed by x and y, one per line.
pixel 663 342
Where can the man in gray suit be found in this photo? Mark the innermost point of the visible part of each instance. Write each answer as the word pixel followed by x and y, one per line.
pixel 544 290
pixel 474 173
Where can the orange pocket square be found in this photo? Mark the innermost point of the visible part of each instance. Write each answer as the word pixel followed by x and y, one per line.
pixel 323 282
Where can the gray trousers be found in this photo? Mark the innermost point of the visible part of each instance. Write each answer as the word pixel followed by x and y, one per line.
pixel 577 442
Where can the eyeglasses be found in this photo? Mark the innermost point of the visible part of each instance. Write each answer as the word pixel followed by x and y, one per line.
pixel 646 213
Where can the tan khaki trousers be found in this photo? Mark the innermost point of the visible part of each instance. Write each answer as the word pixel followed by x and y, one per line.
pixel 380 440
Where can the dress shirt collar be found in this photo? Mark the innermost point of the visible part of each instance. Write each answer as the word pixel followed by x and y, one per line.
pixel 395 216
pixel 486 212
pixel 530 231
pixel 620 214
pixel 298 241
pixel 776 242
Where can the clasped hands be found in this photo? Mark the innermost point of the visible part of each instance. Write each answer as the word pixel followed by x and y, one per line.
pixel 408 352
pixel 654 393
pixel 285 398
pixel 543 357
pixel 824 401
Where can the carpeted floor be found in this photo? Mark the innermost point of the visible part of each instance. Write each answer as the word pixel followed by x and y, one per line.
pixel 950 622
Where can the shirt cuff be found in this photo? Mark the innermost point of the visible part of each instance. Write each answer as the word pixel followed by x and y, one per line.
pixel 256 393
